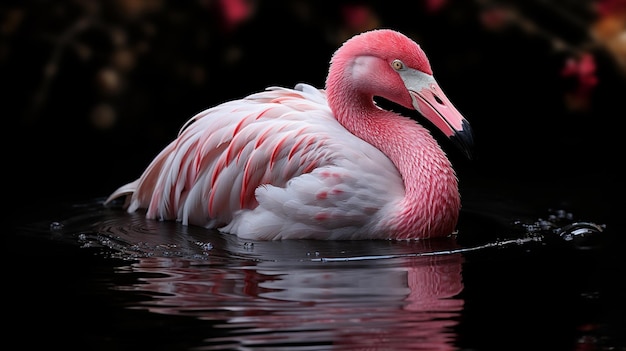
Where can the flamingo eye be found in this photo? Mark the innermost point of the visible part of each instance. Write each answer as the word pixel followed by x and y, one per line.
pixel 397 65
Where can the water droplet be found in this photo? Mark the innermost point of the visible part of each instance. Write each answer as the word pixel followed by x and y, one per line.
pixel 204 246
pixel 56 226
pixel 581 234
pixel 590 295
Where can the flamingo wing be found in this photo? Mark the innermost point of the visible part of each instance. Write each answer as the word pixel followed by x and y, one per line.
pixel 274 165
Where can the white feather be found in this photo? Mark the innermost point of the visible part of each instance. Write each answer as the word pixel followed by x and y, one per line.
pixel 274 165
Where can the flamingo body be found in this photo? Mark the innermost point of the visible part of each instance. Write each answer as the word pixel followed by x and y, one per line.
pixel 307 163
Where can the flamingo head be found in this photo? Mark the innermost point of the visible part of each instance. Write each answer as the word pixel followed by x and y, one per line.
pixel 387 64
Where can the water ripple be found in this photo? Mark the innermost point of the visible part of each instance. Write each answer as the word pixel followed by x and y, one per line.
pixel 304 294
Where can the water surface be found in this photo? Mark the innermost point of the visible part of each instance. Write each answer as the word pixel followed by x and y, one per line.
pixel 101 278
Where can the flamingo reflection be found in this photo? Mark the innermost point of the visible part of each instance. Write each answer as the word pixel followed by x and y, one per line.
pixel 404 296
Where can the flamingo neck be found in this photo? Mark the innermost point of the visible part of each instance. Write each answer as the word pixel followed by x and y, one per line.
pixel 431 204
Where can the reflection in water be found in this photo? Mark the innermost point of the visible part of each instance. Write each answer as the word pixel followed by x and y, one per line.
pixel 402 303
pixel 303 294
pixel 298 294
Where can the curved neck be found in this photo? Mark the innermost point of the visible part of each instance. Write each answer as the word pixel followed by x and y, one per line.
pixel 431 203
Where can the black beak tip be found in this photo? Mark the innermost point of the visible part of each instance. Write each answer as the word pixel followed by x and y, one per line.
pixel 464 140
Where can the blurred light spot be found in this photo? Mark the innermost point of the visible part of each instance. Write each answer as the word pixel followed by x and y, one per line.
pixel 235 12
pixel 11 21
pixel 123 59
pixel 496 17
pixel 103 116
pixel 610 30
pixel 108 81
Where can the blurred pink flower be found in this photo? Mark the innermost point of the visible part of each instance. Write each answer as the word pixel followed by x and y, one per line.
pixel 357 17
pixel 235 12
pixel 433 6
pixel 495 17
pixel 609 7
pixel 583 71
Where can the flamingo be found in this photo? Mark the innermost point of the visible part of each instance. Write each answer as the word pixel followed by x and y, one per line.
pixel 309 163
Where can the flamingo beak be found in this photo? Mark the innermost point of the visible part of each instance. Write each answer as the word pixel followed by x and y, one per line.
pixel 429 100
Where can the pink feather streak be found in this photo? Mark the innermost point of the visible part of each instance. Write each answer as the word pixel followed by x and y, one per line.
pixel 308 163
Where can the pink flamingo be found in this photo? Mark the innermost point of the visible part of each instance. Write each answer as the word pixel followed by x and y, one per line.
pixel 307 163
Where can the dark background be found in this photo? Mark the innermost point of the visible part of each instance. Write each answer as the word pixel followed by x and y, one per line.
pixel 93 90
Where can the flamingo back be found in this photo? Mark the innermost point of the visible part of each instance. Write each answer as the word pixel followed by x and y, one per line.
pixel 274 165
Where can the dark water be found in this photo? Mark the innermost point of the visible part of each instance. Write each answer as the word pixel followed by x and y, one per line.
pixel 89 277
